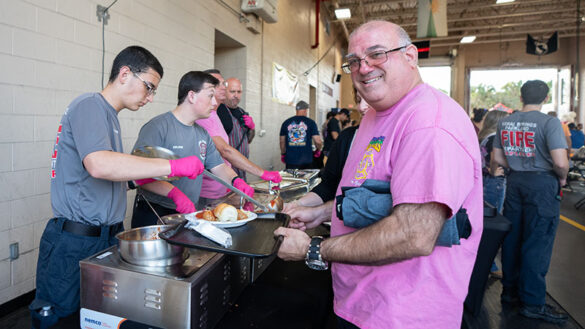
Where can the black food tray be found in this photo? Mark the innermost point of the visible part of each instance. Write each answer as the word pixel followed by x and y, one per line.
pixel 254 239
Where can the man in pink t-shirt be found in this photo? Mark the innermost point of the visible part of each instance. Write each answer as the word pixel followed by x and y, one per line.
pixel 390 274
pixel 211 190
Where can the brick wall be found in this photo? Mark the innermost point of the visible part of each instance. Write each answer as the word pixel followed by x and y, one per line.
pixel 51 50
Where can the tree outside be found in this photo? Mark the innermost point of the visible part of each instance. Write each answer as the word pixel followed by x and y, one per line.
pixel 486 96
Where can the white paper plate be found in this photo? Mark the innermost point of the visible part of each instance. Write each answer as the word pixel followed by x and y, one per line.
pixel 251 217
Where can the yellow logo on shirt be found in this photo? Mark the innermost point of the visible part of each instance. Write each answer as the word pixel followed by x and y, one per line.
pixel 367 162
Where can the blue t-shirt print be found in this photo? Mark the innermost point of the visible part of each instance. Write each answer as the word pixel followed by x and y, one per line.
pixel 297 134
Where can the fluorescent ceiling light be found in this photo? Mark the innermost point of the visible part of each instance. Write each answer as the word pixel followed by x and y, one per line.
pixel 342 13
pixel 504 1
pixel 468 39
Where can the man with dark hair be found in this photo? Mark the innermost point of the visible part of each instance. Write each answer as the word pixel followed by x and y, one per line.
pixel 297 135
pixel 237 123
pixel 89 172
pixel 533 146
pixel 334 128
pixel 177 131
pixel 212 191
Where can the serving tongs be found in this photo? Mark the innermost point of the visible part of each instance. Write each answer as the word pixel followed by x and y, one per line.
pixel 236 191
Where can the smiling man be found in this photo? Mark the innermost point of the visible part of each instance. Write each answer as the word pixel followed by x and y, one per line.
pixel 177 131
pixel 391 274
pixel 89 172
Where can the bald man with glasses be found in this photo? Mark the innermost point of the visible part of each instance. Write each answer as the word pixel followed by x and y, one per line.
pixel 390 273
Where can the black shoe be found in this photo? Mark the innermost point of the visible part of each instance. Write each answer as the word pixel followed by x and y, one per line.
pixel 544 312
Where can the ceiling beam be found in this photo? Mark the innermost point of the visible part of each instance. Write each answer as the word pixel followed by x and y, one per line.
pixel 453 44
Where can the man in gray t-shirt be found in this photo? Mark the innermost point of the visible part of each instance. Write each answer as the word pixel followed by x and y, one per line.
pixel 532 144
pixel 177 131
pixel 89 172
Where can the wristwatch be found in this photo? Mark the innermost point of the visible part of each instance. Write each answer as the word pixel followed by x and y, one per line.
pixel 313 258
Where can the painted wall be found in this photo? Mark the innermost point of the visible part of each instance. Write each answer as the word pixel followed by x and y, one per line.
pixel 51 51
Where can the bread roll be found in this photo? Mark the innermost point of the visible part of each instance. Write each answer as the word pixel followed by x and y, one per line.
pixel 225 213
pixel 242 215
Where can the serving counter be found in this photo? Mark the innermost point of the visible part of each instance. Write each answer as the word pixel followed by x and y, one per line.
pixel 193 294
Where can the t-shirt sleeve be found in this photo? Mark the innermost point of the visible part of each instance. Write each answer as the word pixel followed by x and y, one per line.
pixel 150 134
pixel 431 166
pixel 333 125
pixel 314 129
pixel 283 131
pixel 212 157
pixel 497 141
pixel 210 126
pixel 89 128
pixel 555 137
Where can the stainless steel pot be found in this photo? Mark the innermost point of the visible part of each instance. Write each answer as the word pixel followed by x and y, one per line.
pixel 142 246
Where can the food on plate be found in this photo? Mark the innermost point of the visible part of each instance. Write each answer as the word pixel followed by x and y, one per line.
pixel 225 213
pixel 275 205
pixel 242 215
pixel 207 215
pixel 222 213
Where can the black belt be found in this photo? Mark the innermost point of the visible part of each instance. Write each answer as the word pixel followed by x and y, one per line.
pixel 89 230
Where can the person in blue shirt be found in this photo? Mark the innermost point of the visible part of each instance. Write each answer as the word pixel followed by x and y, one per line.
pixel 297 135
pixel 577 136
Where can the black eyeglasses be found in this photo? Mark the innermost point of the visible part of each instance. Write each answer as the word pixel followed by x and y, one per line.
pixel 150 88
pixel 374 58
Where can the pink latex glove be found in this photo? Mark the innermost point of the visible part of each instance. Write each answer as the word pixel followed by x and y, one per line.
pixel 317 153
pixel 273 176
pixel 248 121
pixel 189 166
pixel 282 158
pixel 141 182
pixel 248 206
pixel 184 204
pixel 241 185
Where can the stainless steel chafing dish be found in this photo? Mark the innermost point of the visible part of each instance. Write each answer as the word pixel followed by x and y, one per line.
pixel 294 183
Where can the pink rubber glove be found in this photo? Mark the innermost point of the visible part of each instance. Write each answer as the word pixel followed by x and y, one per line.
pixel 248 206
pixel 184 204
pixel 141 182
pixel 248 121
pixel 317 153
pixel 282 158
pixel 273 176
pixel 241 185
pixel 189 166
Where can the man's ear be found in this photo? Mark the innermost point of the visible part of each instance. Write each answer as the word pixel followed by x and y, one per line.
pixel 411 54
pixel 192 97
pixel 124 74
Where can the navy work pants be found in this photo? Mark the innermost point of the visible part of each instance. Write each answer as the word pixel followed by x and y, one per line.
pixel 532 205
pixel 58 274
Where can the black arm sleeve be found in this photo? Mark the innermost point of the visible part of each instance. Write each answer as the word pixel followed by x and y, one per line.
pixel 331 175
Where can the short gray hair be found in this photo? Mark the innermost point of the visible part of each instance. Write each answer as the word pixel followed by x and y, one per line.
pixel 403 38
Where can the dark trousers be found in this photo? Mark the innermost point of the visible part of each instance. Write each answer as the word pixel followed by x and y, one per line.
pixel 58 274
pixel 532 205
pixel 142 215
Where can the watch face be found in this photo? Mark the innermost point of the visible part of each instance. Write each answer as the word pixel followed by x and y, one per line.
pixel 317 265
